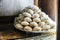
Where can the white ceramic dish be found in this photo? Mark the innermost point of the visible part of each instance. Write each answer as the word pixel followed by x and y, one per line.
pixel 51 31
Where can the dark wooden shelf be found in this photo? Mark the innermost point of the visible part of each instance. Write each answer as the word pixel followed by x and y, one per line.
pixel 8 31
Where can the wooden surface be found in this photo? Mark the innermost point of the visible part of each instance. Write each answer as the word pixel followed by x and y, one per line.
pixel 8 31
pixel 36 2
pixel 13 35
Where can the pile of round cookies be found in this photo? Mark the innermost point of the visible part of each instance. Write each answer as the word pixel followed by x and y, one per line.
pixel 33 19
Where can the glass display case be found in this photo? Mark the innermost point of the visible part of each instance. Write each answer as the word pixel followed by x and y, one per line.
pixel 9 9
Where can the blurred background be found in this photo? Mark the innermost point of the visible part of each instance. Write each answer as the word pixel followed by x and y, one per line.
pixel 9 7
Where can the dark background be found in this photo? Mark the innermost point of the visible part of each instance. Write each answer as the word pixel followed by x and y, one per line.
pixel 58 31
